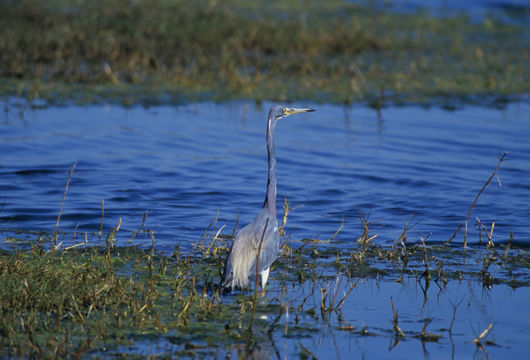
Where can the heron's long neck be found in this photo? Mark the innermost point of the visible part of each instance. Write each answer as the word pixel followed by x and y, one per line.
pixel 270 197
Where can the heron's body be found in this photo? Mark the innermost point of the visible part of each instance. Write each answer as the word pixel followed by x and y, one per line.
pixel 261 236
pixel 241 261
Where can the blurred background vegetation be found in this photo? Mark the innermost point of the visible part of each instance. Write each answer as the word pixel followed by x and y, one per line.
pixel 335 51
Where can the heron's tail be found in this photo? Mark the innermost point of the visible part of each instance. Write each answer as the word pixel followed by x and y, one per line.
pixel 227 273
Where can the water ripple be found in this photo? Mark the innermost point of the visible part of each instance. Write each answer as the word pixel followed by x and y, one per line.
pixel 185 164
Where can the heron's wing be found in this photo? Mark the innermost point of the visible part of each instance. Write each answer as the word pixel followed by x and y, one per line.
pixel 241 260
pixel 271 239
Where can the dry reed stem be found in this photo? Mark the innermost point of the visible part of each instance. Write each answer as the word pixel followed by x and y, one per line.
pixel 482 334
pixel 338 230
pixel 508 245
pixel 55 235
pixel 397 329
pixel 102 216
pixel 501 159
pixel 341 302
pixel 488 235
pixel 286 210
pixel 427 273
pixel 205 233
pixel 423 333
pixel 110 238
pixel 73 246
pixel 214 239
pixel 141 227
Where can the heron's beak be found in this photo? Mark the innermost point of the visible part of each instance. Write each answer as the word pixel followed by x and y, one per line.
pixel 291 111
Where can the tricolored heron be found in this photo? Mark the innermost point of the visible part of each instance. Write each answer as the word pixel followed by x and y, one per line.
pixel 261 235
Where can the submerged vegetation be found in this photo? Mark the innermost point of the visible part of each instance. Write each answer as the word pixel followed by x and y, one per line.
pixel 171 50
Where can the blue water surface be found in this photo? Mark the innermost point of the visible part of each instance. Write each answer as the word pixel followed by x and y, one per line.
pixel 507 11
pixel 185 164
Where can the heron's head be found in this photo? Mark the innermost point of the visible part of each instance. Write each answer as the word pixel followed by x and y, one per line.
pixel 279 112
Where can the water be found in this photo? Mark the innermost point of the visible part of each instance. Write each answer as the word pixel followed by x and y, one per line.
pixel 366 330
pixel 508 11
pixel 369 307
pixel 184 164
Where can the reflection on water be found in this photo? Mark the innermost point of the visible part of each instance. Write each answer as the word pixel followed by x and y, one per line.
pixel 365 327
pixel 183 164
pixel 450 318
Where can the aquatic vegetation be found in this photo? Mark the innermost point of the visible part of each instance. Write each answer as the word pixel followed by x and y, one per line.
pixel 58 303
pixel 163 51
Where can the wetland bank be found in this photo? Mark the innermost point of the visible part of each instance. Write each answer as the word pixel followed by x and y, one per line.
pixel 168 51
pixel 131 268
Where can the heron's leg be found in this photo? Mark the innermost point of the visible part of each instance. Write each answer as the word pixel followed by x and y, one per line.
pixel 264 277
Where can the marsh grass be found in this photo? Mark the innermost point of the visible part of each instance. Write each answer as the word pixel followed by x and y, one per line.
pixel 162 51
pixel 70 303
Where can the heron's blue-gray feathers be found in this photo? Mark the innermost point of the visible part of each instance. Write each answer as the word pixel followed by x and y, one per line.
pixel 241 262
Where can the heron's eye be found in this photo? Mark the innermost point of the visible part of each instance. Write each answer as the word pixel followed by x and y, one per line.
pixel 284 111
